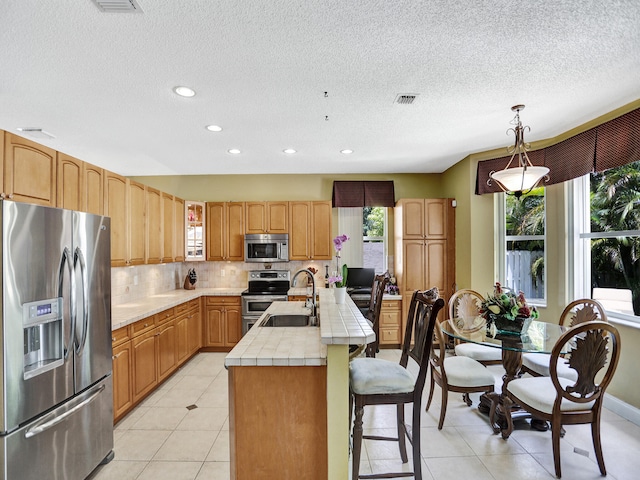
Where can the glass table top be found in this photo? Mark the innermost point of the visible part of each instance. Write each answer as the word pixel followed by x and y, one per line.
pixel 536 336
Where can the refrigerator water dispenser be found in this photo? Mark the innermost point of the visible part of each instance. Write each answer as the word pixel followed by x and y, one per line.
pixel 43 336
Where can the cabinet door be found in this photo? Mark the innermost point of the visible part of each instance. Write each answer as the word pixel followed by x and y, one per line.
pixel 182 338
pixel 70 182
pixel 301 231
pixel 93 184
pixel 234 222
pixel 414 265
pixel 215 231
pixel 255 216
pixel 178 253
pixel 29 171
pixel 277 217
pixel 413 218
pixel 122 379
pixel 154 235
pixel 436 217
pixel 214 325
pixel 321 244
pixel 116 206
pixel 233 318
pixel 137 222
pixel 168 227
pixel 194 336
pixel 166 339
pixel 145 373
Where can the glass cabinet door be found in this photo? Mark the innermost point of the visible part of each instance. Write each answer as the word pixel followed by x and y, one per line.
pixel 195 228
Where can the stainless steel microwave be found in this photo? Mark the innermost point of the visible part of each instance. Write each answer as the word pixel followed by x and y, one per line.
pixel 266 247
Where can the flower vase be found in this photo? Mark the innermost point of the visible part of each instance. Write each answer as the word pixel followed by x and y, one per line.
pixel 507 326
pixel 340 293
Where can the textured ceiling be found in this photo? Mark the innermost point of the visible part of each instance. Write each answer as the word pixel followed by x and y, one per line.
pixel 101 83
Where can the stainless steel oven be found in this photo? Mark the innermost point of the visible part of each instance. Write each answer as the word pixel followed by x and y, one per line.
pixel 265 287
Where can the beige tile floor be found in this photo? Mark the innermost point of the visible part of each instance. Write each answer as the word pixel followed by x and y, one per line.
pixel 162 439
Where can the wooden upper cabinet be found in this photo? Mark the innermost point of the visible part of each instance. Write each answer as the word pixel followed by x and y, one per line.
pixel 155 235
pixel 267 217
pixel 425 217
pixel 310 230
pixel 168 228
pixel 116 206
pixel 93 187
pixel 225 231
pixel 29 171
pixel 137 222
pixel 179 225
pixel 70 182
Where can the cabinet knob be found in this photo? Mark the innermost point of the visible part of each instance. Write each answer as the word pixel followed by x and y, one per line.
pixel 113 339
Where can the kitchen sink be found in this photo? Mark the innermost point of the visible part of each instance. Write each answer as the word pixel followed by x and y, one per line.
pixel 287 320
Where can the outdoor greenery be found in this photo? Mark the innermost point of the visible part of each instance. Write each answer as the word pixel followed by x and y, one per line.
pixel 373 221
pixel 615 206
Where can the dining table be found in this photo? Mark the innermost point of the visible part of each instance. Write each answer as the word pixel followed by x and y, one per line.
pixel 535 336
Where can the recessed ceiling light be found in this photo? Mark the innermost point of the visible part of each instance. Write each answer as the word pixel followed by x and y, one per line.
pixel 214 128
pixel 233 151
pixel 184 91
pixel 289 151
pixel 346 151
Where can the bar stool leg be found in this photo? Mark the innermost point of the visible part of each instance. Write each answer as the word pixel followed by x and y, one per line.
pixel 357 441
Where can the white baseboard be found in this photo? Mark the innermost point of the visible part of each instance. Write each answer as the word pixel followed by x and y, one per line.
pixel 626 411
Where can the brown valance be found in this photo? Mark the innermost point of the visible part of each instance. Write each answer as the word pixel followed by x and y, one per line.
pixel 614 143
pixel 363 194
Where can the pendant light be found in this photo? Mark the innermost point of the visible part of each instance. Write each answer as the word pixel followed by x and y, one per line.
pixel 523 177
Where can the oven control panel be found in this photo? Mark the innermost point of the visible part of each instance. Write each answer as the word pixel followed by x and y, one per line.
pixel 269 275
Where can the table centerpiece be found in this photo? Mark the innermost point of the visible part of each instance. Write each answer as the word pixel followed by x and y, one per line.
pixel 505 312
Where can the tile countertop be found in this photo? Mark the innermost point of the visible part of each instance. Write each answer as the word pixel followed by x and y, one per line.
pixel 123 315
pixel 340 324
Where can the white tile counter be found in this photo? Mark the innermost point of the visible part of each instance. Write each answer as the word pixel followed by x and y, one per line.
pixel 302 346
pixel 123 315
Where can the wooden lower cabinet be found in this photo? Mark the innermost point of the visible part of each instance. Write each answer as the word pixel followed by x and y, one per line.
pixel 147 352
pixel 145 370
pixel 278 422
pixel 391 323
pixel 222 322
pixel 122 377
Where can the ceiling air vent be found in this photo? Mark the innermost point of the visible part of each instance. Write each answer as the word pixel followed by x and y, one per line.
pixel 35 132
pixel 118 6
pixel 406 98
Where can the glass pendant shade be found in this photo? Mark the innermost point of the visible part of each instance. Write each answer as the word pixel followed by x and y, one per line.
pixel 519 178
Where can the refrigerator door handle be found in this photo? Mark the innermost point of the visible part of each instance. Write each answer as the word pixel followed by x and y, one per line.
pixel 65 260
pixel 78 258
pixel 41 427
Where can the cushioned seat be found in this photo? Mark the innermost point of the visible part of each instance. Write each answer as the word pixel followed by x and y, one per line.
pixel 455 374
pixel 376 376
pixel 539 363
pixel 373 381
pixel 595 351
pixel 479 353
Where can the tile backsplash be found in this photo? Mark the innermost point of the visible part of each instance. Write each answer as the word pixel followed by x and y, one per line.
pixel 129 284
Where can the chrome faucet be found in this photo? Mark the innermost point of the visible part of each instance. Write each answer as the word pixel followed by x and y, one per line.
pixel 311 302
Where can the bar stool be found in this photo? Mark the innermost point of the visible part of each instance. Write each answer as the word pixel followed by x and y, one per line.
pixel 374 381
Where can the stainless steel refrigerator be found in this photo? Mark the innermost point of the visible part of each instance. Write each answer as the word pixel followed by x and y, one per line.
pixel 56 385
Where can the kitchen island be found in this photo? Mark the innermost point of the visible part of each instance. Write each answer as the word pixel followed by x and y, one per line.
pixel 289 394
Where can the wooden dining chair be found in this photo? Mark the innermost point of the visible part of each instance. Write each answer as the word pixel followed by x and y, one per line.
pixel 578 311
pixel 594 346
pixel 373 314
pixel 374 381
pixel 455 374
pixel 465 303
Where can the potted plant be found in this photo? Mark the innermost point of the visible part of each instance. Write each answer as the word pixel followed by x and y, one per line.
pixel 506 312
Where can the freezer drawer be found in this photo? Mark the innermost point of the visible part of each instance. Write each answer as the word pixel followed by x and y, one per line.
pixel 67 443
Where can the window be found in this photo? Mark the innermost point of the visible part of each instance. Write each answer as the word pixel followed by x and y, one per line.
pixel 370 225
pixel 607 253
pixel 521 240
pixel 374 221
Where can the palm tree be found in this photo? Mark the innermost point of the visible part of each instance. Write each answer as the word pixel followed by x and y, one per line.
pixel 615 206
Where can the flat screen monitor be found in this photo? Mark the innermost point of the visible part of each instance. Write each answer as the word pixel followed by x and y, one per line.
pixel 360 277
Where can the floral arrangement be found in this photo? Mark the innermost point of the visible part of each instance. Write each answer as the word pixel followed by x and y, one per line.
pixel 339 279
pixel 507 305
